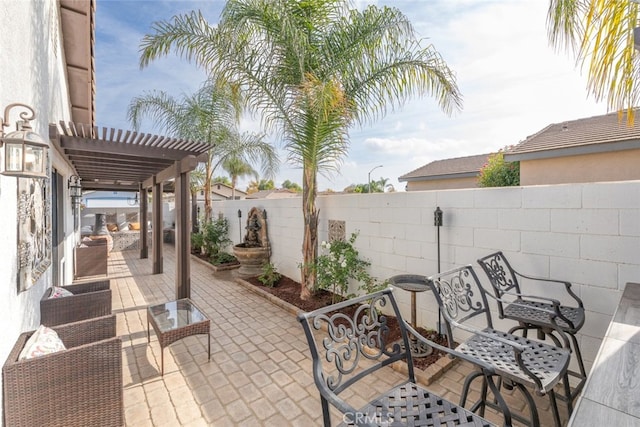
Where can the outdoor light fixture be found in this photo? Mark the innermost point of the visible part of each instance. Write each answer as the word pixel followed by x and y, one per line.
pixel 369 178
pixel 74 184
pixel 437 217
pixel 437 222
pixel 25 152
pixel 133 201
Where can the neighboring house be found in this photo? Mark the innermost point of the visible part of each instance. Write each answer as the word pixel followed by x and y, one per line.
pixel 460 172
pixel 220 191
pixel 593 149
pixel 281 193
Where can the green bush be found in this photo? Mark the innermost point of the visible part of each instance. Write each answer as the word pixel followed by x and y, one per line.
pixel 498 173
pixel 222 258
pixel 340 263
pixel 216 236
pixel 197 240
pixel 270 276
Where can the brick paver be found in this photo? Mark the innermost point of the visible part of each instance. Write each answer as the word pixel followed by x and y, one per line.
pixel 260 370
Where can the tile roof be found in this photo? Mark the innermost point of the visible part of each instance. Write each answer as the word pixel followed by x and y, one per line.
pixel 579 137
pixel 278 193
pixel 469 165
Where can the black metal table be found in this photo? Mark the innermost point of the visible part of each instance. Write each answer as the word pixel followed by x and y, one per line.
pixel 413 283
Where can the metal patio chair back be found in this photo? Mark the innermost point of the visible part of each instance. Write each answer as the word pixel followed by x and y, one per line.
pixel 520 362
pixel 531 311
pixel 349 341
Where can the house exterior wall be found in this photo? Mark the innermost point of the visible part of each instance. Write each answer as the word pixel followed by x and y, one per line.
pixel 588 234
pixel 442 184
pixel 609 166
pixel 32 73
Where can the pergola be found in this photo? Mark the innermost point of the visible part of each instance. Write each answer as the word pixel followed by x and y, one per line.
pixel 118 160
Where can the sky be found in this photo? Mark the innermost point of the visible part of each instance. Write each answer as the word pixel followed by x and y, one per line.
pixel 512 81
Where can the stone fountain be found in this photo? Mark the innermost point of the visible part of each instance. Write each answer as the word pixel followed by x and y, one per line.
pixel 255 250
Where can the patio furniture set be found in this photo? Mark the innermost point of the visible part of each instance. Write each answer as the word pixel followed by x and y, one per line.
pixel 345 348
pixel 78 384
pixel 82 383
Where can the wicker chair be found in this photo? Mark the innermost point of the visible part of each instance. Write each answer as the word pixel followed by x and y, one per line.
pixel 91 258
pixel 348 341
pixel 89 300
pixel 530 310
pixel 80 386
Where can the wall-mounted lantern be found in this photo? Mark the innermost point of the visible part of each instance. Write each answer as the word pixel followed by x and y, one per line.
pixel 74 184
pixel 25 152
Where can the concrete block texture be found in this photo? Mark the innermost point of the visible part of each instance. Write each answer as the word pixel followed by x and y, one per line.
pixel 588 234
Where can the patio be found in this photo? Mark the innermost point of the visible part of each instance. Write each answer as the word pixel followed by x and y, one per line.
pixel 260 370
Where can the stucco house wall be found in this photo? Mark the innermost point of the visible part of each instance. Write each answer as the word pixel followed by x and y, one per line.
pixel 588 234
pixel 607 166
pixel 32 73
pixel 442 184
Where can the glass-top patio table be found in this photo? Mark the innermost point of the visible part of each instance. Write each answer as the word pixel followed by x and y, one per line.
pixel 175 320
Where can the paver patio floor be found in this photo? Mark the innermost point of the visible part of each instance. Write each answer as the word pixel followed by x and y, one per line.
pixel 260 368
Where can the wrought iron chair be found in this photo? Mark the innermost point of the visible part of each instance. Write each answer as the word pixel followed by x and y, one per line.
pixel 531 311
pixel 348 341
pixel 519 361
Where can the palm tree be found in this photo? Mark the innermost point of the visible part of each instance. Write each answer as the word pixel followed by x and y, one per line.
pixel 211 115
pixel 237 168
pixel 600 33
pixel 313 69
pixel 207 115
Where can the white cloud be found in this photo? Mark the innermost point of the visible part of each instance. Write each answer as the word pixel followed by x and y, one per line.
pixel 512 81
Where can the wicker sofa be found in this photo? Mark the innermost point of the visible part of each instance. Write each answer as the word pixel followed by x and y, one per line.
pixel 80 386
pixel 89 299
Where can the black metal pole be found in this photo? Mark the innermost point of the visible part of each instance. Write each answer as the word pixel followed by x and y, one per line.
pixel 437 221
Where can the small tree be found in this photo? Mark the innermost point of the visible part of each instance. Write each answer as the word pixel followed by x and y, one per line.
pixel 499 173
pixel 339 263
pixel 216 236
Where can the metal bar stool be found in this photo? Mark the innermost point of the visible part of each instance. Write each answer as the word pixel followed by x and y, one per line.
pixel 522 363
pixel 348 342
pixel 530 311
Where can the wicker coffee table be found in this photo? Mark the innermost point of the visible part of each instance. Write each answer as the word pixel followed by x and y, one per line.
pixel 175 320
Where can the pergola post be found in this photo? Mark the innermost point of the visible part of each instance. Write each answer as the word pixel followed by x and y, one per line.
pixel 156 218
pixel 144 229
pixel 183 237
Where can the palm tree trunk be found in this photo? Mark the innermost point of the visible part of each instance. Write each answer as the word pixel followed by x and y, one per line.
pixel 234 180
pixel 310 239
pixel 207 191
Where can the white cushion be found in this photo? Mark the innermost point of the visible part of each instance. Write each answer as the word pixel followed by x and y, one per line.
pixel 43 341
pixel 57 292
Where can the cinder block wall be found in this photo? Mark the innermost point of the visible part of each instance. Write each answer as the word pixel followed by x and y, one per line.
pixel 588 234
